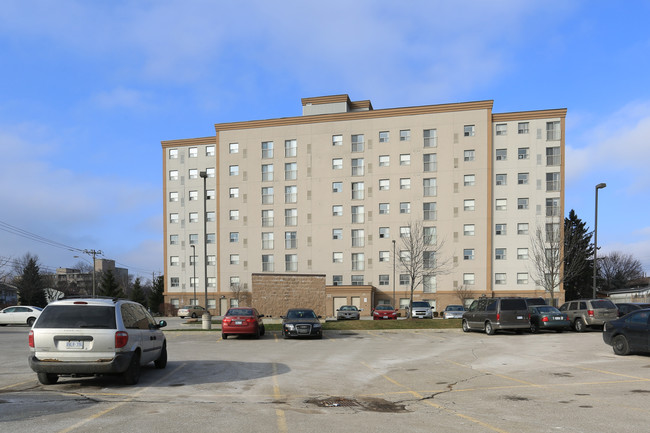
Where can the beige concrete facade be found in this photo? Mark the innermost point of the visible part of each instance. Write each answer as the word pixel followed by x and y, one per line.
pixel 328 192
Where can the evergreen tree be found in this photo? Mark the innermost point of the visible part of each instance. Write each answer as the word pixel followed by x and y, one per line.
pixel 30 285
pixel 579 285
pixel 157 296
pixel 109 287
pixel 137 294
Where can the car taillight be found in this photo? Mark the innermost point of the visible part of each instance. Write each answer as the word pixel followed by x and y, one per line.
pixel 31 338
pixel 121 338
pixel 544 319
pixel 498 316
pixel 591 313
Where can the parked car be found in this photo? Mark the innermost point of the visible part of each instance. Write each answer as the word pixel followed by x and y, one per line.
pixel 19 315
pixel 421 310
pixel 627 307
pixel 384 311
pixel 192 311
pixel 87 337
pixel 630 333
pixel 301 322
pixel 348 312
pixel 535 301
pixel 242 321
pixel 547 317
pixel 453 312
pixel 585 313
pixel 493 314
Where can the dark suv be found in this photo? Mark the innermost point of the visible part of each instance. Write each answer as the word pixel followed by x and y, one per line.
pixel 493 314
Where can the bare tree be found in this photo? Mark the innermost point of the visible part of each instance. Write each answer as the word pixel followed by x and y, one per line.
pixel 240 293
pixel 464 293
pixel 548 252
pixel 618 269
pixel 5 269
pixel 419 256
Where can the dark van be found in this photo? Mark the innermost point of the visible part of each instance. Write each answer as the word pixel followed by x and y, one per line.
pixel 495 314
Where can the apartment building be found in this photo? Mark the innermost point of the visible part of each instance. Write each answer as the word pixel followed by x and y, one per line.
pixel 328 192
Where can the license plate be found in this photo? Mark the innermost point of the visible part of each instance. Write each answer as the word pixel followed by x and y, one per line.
pixel 238 322
pixel 520 317
pixel 74 344
pixel 385 317
pixel 557 318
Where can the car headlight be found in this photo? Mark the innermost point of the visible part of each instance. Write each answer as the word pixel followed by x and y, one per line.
pixel 289 327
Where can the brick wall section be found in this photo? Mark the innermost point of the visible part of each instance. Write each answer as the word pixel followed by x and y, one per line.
pixel 274 294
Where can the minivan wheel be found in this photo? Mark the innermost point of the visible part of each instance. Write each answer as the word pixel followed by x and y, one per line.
pixel 620 345
pixel 132 374
pixel 489 329
pixel 465 326
pixel 579 325
pixel 47 378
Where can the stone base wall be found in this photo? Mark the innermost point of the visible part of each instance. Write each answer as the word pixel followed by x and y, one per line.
pixel 274 294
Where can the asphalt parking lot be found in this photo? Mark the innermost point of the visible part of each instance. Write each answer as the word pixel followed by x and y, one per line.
pixel 406 380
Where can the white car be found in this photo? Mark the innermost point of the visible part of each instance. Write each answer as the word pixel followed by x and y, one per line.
pixel 88 337
pixel 19 315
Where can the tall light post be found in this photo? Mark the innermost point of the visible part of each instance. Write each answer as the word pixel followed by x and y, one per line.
pixel 599 186
pixel 394 273
pixel 194 261
pixel 206 319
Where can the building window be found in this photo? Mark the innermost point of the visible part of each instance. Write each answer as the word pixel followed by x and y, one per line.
pixel 173 218
pixel 468 279
pixel 502 129
pixel 384 160
pixel 522 203
pixel 337 280
pixel 430 137
pixel 357 143
pixel 469 180
pixel 358 261
pixel 522 179
pixel 337 140
pixel 234 259
pixel 501 204
pixel 468 254
pixel 173 239
pixel 468 229
pixel 357 191
pixel 430 161
pixel 522 278
pixel 499 278
pixel 429 284
pixel 210 151
pixel 194 195
pixel 553 156
pixel 291 217
pixel 384 208
pixel 405 207
pixel 174 261
pixel 233 192
pixel 267 195
pixel 337 164
pixel 267 218
pixel 552 207
pixel 522 128
pixel 267 149
pixel 523 153
pixel 337 234
pixel 173 174
pixel 500 229
pixel 233 170
pixel 405 159
pixel 290 240
pixel 384 280
pixel 290 148
pixel 552 182
pixel 210 194
pixel 430 235
pixel 338 186
pixel 193 152
pixel 210 172
pixel 357 167
pixel 291 262
pixel 358 215
pixel 522 253
pixel 384 256
pixel 211 238
pixel 267 263
pixel 233 215
pixel 384 184
pixel 430 213
pixel 267 240
pixel 553 132
pixel 234 282
pixel 194 217
pixel 337 210
pixel 404 279
pixel 522 228
pixel 173 196
pixel 405 183
pixel 501 179
pixel 212 260
pixel 337 257
pixel 356 280
pixel 290 194
pixel 267 172
pixel 500 254
pixel 469 155
pixel 173 153
pixel 404 232
pixel 468 130
pixel 290 171
pixel 193 173
pixel 384 232
pixel 501 154
pixel 469 204
pixel 234 237
pixel 430 187
pixel 211 216
pixel 175 281
pixel 384 137
pixel 405 135
pixel 233 148
pixel 358 238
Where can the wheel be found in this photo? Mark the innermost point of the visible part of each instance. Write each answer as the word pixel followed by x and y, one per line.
pixel 31 321
pixel 534 327
pixel 620 345
pixel 257 333
pixel 193 315
pixel 465 326
pixel 263 331
pixel 161 362
pixel 47 378
pixel 182 317
pixel 224 336
pixel 579 325
pixel 489 329
pixel 132 374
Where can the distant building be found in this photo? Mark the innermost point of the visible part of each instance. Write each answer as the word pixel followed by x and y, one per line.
pixel 75 281
pixel 328 193
pixel 8 295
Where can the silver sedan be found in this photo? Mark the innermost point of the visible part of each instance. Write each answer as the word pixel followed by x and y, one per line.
pixel 348 312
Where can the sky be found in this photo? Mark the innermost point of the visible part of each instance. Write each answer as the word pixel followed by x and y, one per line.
pixel 89 89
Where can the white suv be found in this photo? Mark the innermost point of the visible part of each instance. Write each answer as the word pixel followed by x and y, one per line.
pixel 87 337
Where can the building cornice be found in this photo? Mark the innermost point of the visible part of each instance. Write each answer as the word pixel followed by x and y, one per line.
pixel 528 115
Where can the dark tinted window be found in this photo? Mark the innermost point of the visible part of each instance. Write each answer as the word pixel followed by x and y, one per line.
pixel 492 306
pixel 602 303
pixel 77 316
pixel 583 306
pixel 640 318
pixel 421 304
pixel 513 304
pixel 134 317
pixel 239 312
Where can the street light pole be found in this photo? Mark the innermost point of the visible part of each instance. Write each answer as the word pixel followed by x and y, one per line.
pixel 194 261
pixel 394 273
pixel 206 319
pixel 599 186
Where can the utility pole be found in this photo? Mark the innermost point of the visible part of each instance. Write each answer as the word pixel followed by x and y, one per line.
pixel 93 253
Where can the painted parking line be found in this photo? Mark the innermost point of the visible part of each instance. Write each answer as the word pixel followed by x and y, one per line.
pixel 281 419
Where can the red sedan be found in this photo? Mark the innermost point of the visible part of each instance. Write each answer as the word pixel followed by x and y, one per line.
pixel 382 312
pixel 242 321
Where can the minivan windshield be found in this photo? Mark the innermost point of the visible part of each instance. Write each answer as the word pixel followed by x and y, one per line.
pixel 77 317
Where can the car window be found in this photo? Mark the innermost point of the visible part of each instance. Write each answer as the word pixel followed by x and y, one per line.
pixel 492 306
pixel 547 309
pixel 239 312
pixel 77 316
pixel 582 306
pixel 514 304
pixel 472 307
pixel 421 304
pixel 602 303
pixel 640 318
pixel 133 317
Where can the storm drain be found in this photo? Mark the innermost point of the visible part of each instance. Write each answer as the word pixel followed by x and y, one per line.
pixel 334 402
pixel 367 404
